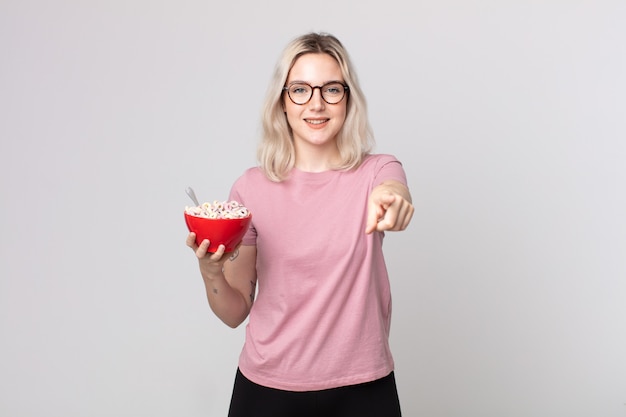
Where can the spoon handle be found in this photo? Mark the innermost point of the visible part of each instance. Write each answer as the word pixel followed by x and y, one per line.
pixel 192 195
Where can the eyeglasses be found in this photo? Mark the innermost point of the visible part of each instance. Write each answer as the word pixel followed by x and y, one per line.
pixel 332 92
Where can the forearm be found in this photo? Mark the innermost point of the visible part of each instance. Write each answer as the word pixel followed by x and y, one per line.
pixel 226 302
pixel 395 187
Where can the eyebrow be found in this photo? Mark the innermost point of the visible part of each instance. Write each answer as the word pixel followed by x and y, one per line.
pixel 307 82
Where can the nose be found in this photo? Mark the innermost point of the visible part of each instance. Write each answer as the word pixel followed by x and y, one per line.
pixel 316 102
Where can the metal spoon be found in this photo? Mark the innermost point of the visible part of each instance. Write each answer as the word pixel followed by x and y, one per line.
pixel 192 195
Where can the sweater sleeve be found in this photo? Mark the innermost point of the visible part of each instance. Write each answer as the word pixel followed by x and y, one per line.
pixel 237 193
pixel 388 167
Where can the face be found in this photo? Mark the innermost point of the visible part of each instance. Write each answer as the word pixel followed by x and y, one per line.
pixel 315 123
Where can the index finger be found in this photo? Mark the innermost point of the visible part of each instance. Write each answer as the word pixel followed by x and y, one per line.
pixel 373 215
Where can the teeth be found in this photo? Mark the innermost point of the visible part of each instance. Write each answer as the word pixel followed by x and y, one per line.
pixel 316 122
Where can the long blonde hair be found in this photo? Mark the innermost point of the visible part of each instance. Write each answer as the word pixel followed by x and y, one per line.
pixel 276 152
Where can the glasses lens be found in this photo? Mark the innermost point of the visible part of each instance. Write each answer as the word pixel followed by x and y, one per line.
pixel 333 92
pixel 299 93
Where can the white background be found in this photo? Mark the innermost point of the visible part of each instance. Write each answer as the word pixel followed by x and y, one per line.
pixel 509 286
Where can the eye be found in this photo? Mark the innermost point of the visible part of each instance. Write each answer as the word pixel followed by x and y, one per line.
pixel 334 89
pixel 299 89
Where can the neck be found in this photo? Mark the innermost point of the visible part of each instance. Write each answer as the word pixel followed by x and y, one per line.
pixel 315 158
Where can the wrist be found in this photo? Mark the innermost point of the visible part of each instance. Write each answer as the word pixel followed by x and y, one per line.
pixel 213 274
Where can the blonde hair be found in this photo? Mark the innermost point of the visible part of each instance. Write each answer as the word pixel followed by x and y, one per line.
pixel 276 152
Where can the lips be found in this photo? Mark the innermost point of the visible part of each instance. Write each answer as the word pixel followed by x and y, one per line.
pixel 316 122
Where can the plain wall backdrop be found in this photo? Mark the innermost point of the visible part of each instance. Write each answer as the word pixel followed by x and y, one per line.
pixel 509 286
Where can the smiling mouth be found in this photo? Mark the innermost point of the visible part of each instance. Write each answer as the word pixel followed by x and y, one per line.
pixel 316 121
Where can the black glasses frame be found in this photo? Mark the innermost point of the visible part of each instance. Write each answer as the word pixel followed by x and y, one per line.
pixel 346 89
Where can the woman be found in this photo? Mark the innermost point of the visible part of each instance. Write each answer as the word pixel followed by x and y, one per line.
pixel 317 335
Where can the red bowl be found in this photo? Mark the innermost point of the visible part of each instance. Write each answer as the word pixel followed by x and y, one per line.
pixel 227 232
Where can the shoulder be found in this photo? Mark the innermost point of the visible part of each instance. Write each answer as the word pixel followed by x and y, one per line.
pixel 252 181
pixel 377 161
pixel 383 167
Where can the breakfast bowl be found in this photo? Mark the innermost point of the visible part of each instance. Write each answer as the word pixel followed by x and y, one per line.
pixel 227 232
pixel 221 222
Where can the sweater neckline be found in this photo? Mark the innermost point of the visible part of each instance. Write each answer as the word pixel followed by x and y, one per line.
pixel 308 176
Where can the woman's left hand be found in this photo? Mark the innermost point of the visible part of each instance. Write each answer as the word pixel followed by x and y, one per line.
pixel 389 207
